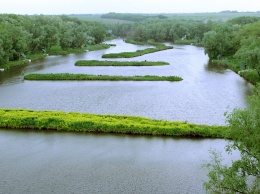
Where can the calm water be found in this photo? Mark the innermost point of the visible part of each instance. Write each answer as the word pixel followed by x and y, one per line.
pixel 32 162
pixel 202 97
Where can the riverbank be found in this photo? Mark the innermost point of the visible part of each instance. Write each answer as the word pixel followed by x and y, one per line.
pixel 85 122
pixel 28 59
pixel 56 50
pixel 88 77
pixel 238 67
pixel 119 63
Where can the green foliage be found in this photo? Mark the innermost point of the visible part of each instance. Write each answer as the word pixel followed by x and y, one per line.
pixel 84 122
pixel 250 52
pixel 118 63
pixel 56 34
pixel 96 47
pixel 130 40
pixel 58 51
pixel 251 76
pixel 243 20
pixel 219 42
pixel 243 176
pixel 87 77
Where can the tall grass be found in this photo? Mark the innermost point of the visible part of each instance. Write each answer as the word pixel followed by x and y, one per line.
pixel 118 63
pixel 84 122
pixel 87 77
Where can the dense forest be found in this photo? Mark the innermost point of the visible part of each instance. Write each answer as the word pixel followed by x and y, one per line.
pixel 235 41
pixel 22 35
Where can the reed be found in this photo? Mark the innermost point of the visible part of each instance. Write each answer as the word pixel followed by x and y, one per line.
pixel 85 122
pixel 88 77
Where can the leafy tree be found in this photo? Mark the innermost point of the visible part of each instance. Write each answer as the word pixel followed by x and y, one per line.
pixel 98 32
pixel 210 42
pixel 220 41
pixel 243 176
pixel 250 52
pixel 247 31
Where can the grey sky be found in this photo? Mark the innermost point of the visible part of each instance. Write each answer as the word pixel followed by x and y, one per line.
pixel 124 6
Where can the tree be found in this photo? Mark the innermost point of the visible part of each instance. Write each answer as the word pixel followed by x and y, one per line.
pixel 250 53
pixel 219 41
pixel 243 176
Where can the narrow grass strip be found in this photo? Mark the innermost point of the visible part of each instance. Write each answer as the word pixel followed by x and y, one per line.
pixel 136 53
pixel 119 63
pixel 158 47
pixel 84 122
pixel 100 47
pixel 88 77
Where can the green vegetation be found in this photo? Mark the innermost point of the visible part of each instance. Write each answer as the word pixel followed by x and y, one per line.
pixel 159 47
pixel 132 41
pixel 87 77
pixel 57 50
pixel 243 176
pixel 84 122
pixel 100 47
pixel 131 17
pixel 118 63
pixel 236 46
pixel 28 35
pixel 24 61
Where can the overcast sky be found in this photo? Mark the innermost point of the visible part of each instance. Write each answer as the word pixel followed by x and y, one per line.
pixel 124 6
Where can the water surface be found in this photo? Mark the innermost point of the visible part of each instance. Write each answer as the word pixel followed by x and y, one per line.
pixel 39 162
pixel 202 97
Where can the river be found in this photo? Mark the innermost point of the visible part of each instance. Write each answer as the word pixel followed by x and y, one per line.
pixel 49 162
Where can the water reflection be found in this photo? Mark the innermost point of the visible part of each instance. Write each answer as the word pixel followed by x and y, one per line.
pixel 212 67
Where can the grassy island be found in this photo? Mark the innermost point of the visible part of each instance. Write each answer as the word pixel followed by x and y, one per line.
pixel 158 47
pixel 84 122
pixel 67 76
pixel 118 63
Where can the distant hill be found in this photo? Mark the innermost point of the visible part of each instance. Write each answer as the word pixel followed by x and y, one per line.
pixel 131 16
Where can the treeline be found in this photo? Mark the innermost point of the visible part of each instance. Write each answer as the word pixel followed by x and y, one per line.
pixel 236 46
pixel 21 35
pixel 131 17
pixel 163 30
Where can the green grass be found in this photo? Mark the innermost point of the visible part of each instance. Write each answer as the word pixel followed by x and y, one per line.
pixel 118 63
pixel 84 122
pixel 251 76
pixel 100 47
pixel 131 41
pixel 136 53
pixel 87 77
pixel 57 50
